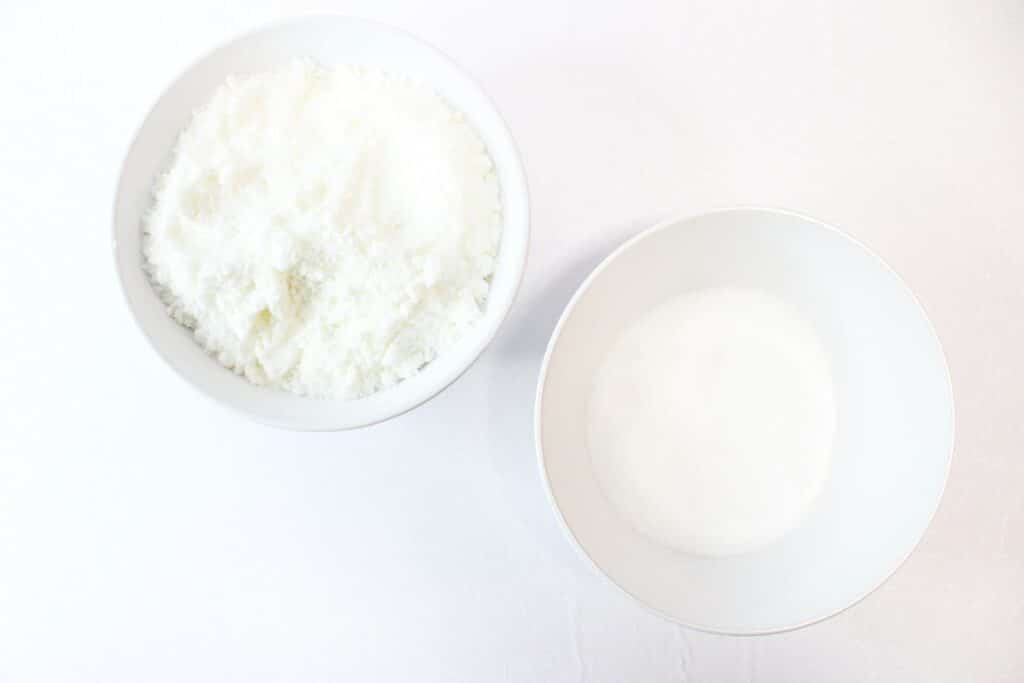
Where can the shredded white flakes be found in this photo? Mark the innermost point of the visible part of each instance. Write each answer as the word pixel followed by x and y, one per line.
pixel 326 231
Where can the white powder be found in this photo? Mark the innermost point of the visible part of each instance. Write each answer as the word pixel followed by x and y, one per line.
pixel 711 421
pixel 327 231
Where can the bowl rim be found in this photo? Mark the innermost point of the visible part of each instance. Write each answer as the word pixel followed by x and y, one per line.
pixel 517 169
pixel 538 419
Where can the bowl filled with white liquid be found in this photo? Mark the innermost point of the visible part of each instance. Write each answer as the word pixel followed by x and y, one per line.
pixel 745 420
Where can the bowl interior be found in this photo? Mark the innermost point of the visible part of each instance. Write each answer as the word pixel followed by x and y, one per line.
pixel 894 433
pixel 329 40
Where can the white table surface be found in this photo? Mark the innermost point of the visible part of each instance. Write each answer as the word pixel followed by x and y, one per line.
pixel 148 535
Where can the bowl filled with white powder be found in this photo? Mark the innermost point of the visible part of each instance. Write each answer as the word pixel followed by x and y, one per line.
pixel 321 224
pixel 745 420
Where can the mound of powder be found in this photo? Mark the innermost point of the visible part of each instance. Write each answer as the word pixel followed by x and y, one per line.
pixel 711 420
pixel 326 231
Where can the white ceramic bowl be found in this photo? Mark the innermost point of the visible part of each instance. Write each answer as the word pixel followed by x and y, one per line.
pixel 895 420
pixel 330 40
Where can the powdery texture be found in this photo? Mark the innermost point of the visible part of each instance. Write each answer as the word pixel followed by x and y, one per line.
pixel 711 421
pixel 327 231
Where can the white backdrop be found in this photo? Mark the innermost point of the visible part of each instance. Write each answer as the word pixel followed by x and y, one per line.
pixel 148 535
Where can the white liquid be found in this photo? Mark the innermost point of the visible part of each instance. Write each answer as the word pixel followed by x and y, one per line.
pixel 711 419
